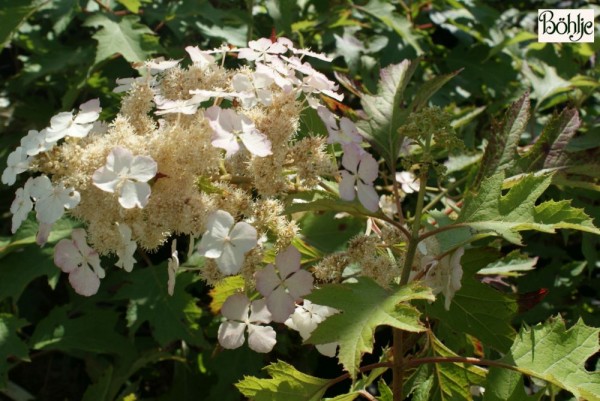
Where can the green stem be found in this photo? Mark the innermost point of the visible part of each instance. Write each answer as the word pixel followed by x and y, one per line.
pixel 439 196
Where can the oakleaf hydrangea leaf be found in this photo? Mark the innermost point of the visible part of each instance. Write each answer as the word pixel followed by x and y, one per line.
pixel 501 151
pixel 363 307
pixel 385 110
pixel 285 383
pixel 125 36
pixel 448 381
pixel 10 343
pixel 556 354
pixel 506 215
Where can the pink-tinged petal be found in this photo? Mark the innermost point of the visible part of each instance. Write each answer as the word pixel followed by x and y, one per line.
pixel 105 179
pixel 329 349
pixel 243 236
pixel 350 130
pixel 347 191
pixel 119 160
pixel 256 143
pixel 288 261
pixel 231 334
pixel 259 313
pixel 143 168
pixel 231 260
pixel 368 170
pixel 267 280
pixel 79 237
pixel 43 233
pixel 247 54
pixel 84 281
pixel 281 304
pixel 368 196
pixel 351 158
pixel 134 194
pixel 67 256
pixel 236 307
pixel 299 284
pixel 261 338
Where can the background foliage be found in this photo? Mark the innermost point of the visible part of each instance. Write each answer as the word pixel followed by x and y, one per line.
pixel 132 341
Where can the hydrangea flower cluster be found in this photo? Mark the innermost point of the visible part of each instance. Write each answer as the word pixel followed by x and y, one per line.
pixel 200 150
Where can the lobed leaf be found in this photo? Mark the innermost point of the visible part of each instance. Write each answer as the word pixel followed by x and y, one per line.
pixel 285 383
pixel 363 307
pixel 501 151
pixel 551 352
pixel 385 110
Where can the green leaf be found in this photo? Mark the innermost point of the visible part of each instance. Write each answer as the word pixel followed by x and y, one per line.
pixel 550 149
pixel 134 41
pixel 385 110
pixel 329 233
pixel 363 307
pixel 506 385
pixel 223 290
pixel 398 23
pixel 28 231
pixel 551 352
pixel 285 383
pixel 511 265
pixel 20 268
pixel 170 317
pixel 321 201
pixel 12 14
pixel 428 89
pixel 546 86
pixel 10 343
pixel 452 381
pixel 94 331
pixel 501 151
pixel 505 215
pixel 481 311
pixel 132 5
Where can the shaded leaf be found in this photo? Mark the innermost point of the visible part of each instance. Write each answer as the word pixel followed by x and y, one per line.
pixel 11 346
pixel 12 14
pixel 91 332
pixel 481 311
pixel 363 307
pixel 428 89
pixel 452 381
pixel 170 317
pixel 506 385
pixel 127 36
pixel 285 383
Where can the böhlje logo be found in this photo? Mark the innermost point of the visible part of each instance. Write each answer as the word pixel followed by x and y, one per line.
pixel 566 25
